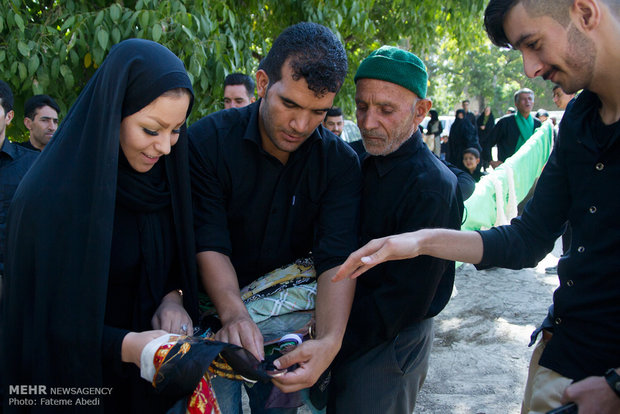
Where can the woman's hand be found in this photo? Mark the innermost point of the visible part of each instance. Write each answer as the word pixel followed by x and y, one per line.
pixel 134 343
pixel 171 316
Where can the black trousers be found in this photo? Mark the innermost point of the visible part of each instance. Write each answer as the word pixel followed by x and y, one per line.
pixel 385 379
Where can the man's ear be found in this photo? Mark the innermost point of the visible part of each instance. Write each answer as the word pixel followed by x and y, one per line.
pixel 421 109
pixel 262 83
pixel 586 14
pixel 28 123
pixel 9 117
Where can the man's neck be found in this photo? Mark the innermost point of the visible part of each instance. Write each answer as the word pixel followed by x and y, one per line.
pixel 605 81
pixel 35 144
pixel 525 115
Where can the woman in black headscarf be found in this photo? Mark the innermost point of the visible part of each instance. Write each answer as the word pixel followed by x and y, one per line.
pixel 462 136
pixel 435 129
pixel 100 238
pixel 486 122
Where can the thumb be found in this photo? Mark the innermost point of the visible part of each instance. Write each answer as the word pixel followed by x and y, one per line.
pixel 286 360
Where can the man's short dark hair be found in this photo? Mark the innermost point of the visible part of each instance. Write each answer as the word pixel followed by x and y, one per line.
pixel 496 11
pixel 241 79
pixel 521 92
pixel 39 101
pixel 333 111
pixel 6 97
pixel 556 86
pixel 464 100
pixel 316 55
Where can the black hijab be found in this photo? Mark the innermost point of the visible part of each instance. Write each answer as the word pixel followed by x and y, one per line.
pixel 61 221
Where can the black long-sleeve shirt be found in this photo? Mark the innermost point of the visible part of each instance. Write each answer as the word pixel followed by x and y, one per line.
pixel 579 184
pixel 15 161
pixel 407 190
pixel 263 214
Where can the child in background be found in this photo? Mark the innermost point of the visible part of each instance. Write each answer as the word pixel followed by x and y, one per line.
pixel 471 161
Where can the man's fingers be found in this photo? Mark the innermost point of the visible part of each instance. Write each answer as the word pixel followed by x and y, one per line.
pixel 355 265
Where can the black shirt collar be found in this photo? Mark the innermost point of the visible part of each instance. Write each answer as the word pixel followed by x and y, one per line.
pixel 9 148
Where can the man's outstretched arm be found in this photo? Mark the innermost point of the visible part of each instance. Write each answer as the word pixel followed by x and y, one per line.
pixel 461 246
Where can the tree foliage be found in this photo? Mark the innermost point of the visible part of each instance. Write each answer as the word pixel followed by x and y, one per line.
pixel 482 73
pixel 54 46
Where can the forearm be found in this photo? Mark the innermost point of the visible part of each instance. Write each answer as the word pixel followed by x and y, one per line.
pixel 459 246
pixel 219 280
pixel 333 305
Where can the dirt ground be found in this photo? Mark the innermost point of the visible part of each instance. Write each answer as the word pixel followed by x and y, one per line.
pixel 480 356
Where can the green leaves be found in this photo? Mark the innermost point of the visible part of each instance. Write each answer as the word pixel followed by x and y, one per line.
pixel 103 37
pixel 55 46
pixel 23 48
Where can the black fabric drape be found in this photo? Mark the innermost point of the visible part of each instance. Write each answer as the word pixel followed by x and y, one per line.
pixel 61 221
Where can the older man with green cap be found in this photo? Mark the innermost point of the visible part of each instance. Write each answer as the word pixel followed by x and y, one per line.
pixel 384 357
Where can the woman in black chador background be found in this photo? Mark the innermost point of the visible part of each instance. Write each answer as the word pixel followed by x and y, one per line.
pixel 100 238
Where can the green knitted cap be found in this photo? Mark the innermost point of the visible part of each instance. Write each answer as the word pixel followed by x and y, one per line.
pixel 395 65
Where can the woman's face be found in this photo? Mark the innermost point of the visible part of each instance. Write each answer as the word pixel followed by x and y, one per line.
pixel 150 133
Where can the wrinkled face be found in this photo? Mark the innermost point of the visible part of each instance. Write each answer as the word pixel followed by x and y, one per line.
pixel 525 103
pixel 563 55
pixel 150 133
pixel 387 114
pixel 5 120
pixel 42 127
pixel 560 99
pixel 334 124
pixel 236 96
pixel 470 161
pixel 289 112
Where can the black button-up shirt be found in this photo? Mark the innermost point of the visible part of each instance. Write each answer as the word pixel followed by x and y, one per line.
pixel 263 214
pixel 407 190
pixel 14 163
pixel 580 183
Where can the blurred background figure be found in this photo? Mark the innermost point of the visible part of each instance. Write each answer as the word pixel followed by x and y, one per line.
pixel 41 119
pixel 238 90
pixel 334 121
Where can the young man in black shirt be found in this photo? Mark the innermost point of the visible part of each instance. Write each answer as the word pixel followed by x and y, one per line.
pixel 271 185
pixel 578 360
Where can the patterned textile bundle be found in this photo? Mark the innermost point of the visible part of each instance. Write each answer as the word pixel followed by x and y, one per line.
pixel 182 366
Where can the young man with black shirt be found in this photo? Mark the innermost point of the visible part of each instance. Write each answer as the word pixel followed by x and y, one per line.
pixel 271 185
pixel 574 44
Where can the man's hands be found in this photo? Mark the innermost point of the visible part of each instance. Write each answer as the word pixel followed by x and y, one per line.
pixel 171 316
pixel 401 246
pixel 313 357
pixel 593 396
pixel 462 246
pixel 241 330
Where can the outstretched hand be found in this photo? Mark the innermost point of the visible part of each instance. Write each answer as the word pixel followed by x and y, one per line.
pixel 400 246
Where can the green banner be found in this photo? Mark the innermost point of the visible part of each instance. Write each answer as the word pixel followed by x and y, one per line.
pixel 511 181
